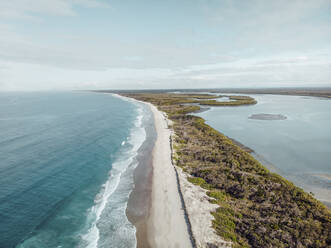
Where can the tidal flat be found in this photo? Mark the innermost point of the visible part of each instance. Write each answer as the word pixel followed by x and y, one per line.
pixel 267 117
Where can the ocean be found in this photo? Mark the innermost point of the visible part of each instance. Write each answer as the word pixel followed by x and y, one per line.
pixel 298 147
pixel 66 170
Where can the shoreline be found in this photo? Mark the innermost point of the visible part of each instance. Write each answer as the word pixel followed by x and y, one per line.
pixel 150 201
pixel 139 203
pixel 173 201
pixel 166 207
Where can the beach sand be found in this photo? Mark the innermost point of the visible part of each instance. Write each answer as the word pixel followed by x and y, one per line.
pixel 198 209
pixel 167 226
pixel 167 210
pixel 139 203
pixel 180 209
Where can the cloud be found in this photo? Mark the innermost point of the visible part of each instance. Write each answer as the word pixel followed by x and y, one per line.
pixel 27 9
pixel 261 63
pixel 265 72
pixel 91 3
pixel 26 76
pixel 276 70
pixel 214 43
pixel 295 60
pixel 270 26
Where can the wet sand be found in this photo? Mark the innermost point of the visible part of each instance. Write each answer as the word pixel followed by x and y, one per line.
pixel 139 203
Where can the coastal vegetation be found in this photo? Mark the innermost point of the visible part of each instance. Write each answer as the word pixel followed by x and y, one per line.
pixel 257 208
pixel 233 101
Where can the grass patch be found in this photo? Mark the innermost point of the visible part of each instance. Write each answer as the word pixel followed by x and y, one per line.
pixel 196 180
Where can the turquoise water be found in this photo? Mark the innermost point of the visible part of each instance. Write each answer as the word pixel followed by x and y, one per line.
pixel 298 148
pixel 66 168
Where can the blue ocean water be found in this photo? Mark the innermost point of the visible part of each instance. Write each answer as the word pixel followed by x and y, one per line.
pixel 66 165
pixel 298 148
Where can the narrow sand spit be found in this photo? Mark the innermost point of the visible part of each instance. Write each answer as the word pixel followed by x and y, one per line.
pixel 172 225
pixel 167 225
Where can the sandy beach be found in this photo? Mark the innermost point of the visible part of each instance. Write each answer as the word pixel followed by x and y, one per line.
pixel 176 213
pixel 166 224
pixel 168 210
pixel 180 211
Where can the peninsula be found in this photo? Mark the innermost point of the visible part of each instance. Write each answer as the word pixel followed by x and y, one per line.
pixel 252 206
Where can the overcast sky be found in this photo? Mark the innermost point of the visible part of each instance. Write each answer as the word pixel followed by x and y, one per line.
pixel 87 44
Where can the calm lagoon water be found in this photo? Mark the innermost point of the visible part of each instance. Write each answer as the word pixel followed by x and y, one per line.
pixel 66 169
pixel 298 148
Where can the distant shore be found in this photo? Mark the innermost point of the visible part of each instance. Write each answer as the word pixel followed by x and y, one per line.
pixel 316 92
pixel 324 92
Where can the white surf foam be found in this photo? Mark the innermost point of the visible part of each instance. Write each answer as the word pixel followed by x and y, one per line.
pixel 126 160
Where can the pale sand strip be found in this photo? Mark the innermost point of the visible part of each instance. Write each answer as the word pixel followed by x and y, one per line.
pixel 167 190
pixel 167 225
pixel 171 224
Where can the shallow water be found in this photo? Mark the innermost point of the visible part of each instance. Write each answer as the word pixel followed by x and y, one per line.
pixel 67 161
pixel 298 147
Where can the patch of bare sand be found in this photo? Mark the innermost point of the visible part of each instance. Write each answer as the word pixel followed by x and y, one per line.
pixel 198 209
pixel 166 224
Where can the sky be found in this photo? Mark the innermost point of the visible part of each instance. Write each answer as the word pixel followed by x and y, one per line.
pixel 151 44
